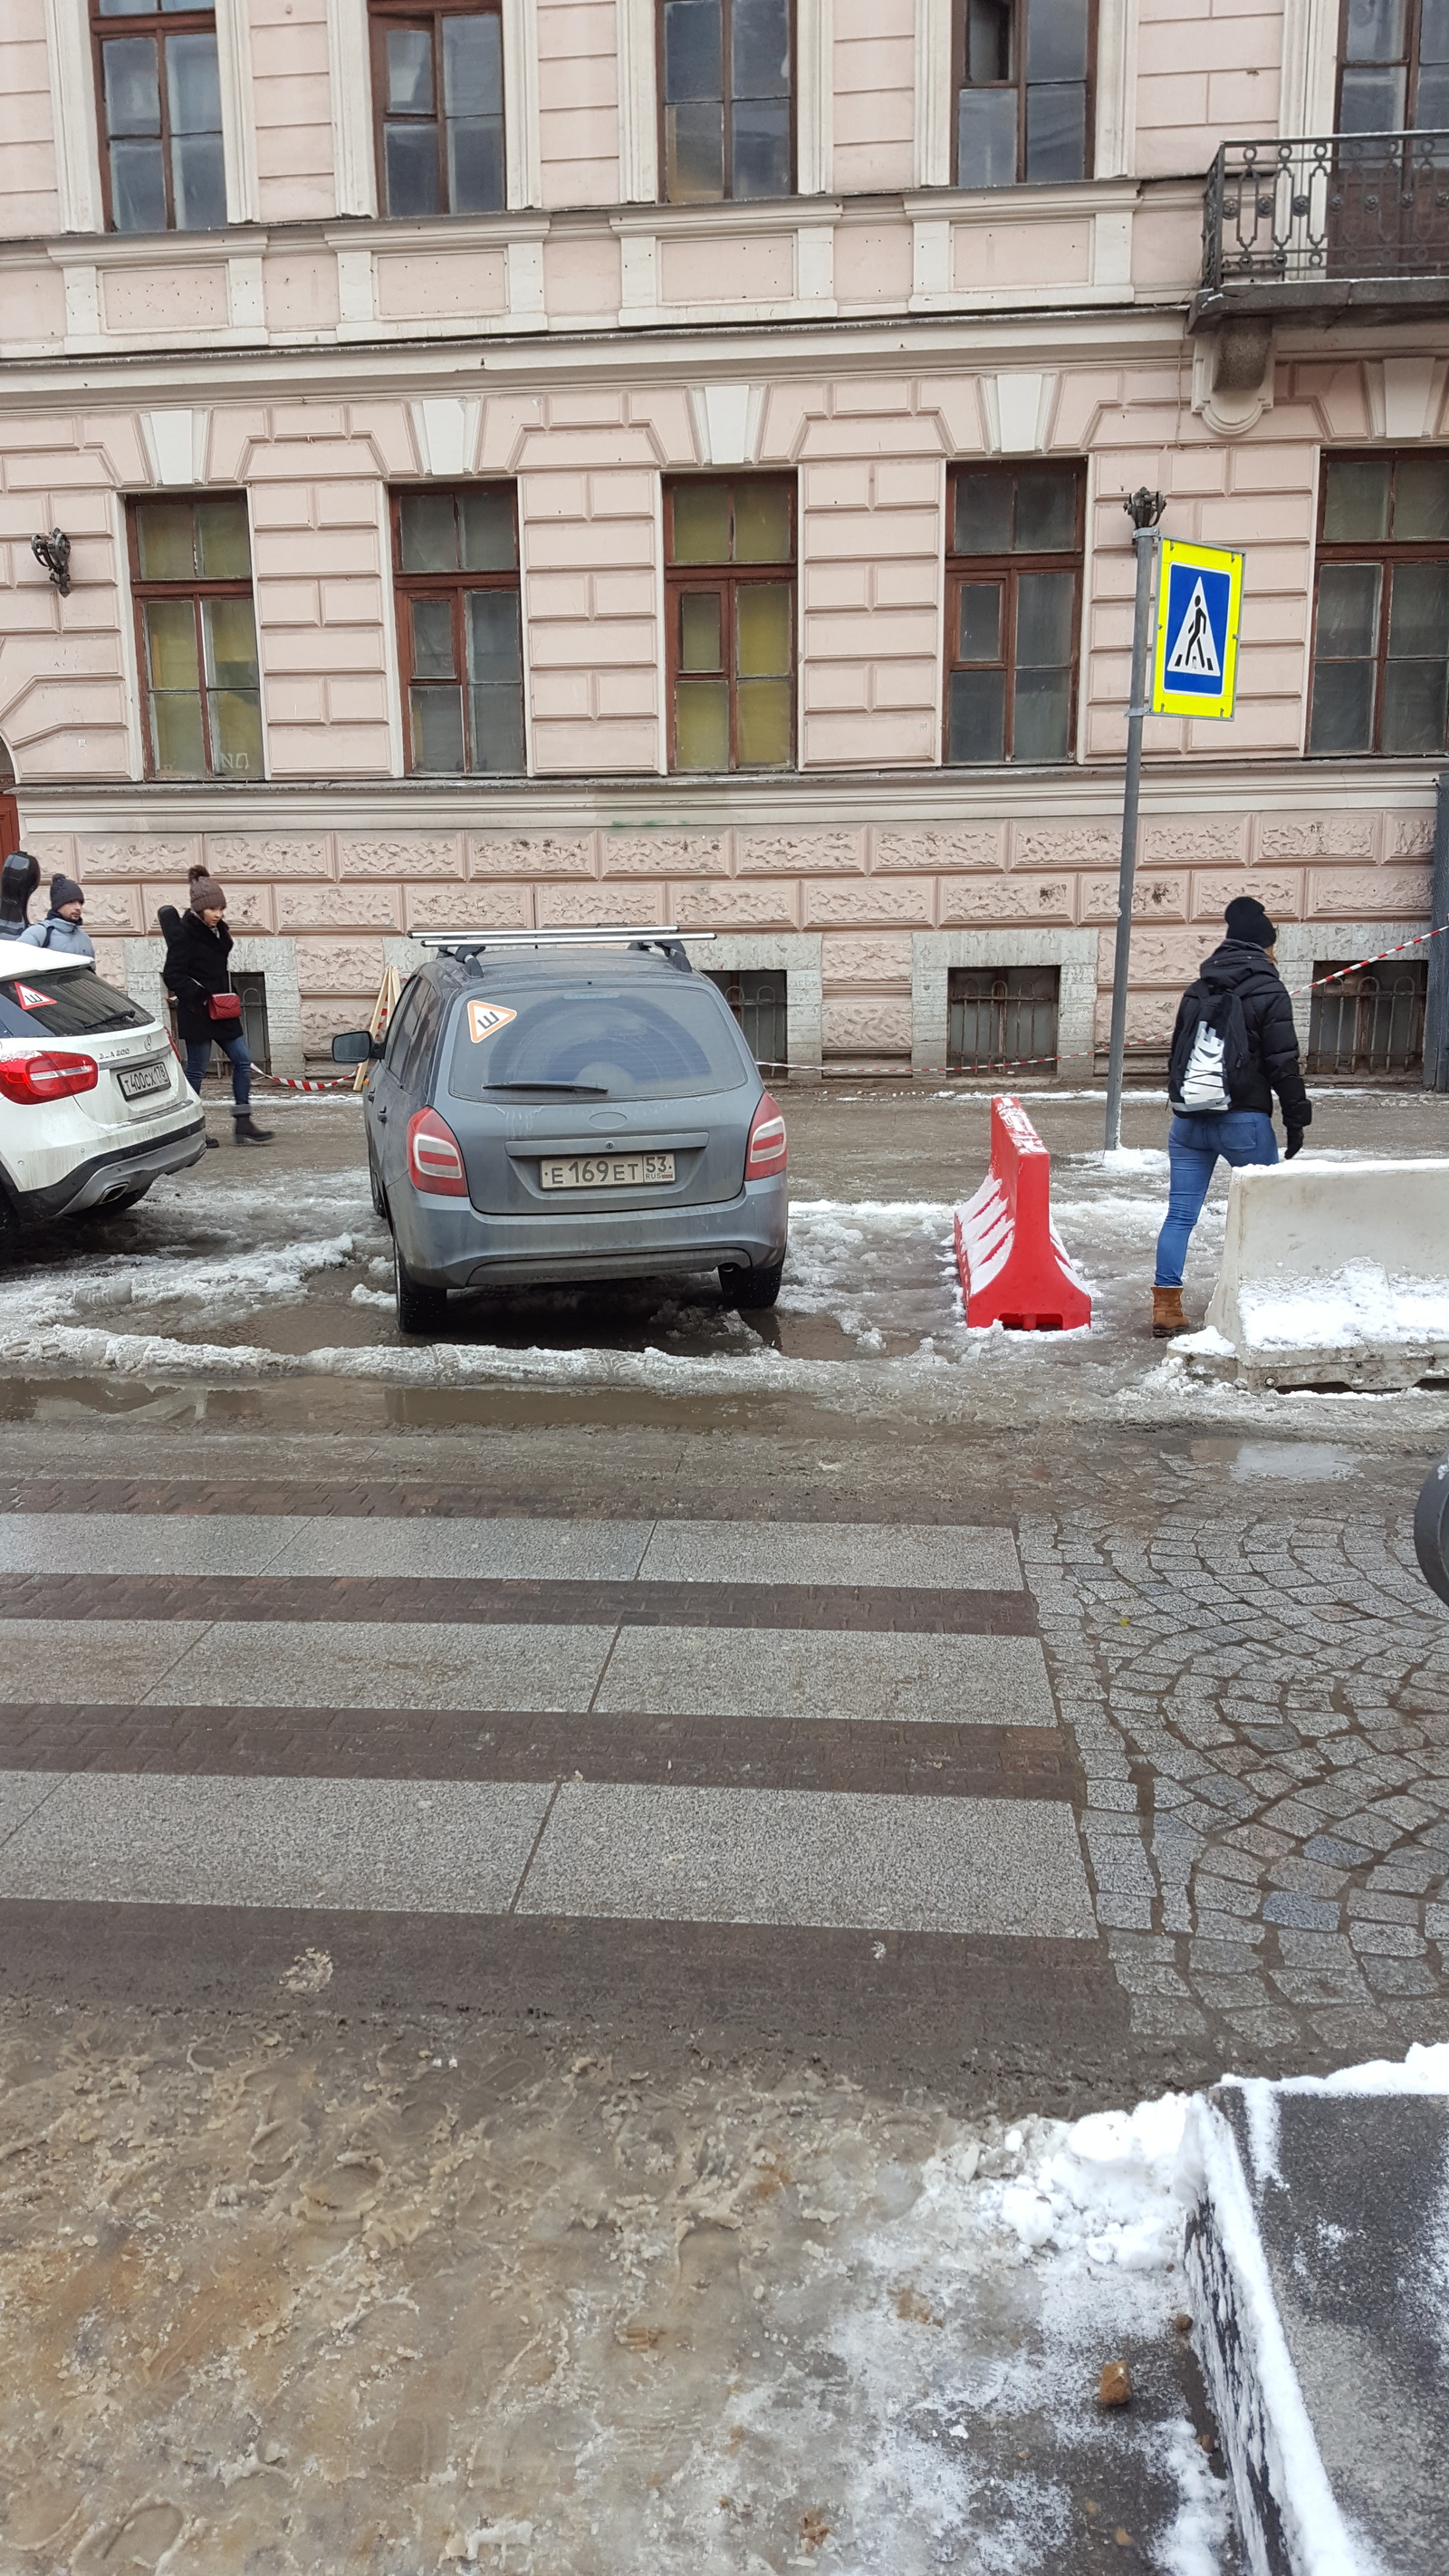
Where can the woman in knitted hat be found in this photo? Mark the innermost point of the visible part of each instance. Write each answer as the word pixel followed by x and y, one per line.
pixel 197 972
pixel 61 929
pixel 1234 1046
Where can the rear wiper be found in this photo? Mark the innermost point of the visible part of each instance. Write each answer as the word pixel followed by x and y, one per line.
pixel 581 1090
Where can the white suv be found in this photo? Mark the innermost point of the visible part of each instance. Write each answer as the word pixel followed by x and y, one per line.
pixel 94 1105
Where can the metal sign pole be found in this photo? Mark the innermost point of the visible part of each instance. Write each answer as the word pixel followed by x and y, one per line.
pixel 1144 508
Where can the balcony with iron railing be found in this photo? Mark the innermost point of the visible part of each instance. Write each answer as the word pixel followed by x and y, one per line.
pixel 1326 224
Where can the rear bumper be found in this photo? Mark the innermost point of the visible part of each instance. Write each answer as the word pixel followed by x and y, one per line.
pixel 446 1243
pixel 105 1176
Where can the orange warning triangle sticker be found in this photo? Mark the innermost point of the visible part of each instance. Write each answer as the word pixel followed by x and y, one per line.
pixel 29 1000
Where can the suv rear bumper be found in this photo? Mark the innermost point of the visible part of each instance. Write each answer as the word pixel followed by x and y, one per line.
pixel 448 1243
pixel 108 1175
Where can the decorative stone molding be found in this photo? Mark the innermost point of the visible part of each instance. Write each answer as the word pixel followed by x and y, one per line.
pixel 797 957
pixel 815 96
pixel 1019 408
pixel 638 111
pixel 238 123
pixel 727 422
pixel 552 854
pixel 935 952
pixel 445 430
pixel 1116 88
pixel 1405 396
pixel 403 855
pixel 73 118
pixel 1232 375
pixel 353 157
pixel 523 180
pixel 175 444
pixel 933 93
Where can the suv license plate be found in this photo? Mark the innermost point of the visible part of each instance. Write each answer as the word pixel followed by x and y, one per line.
pixel 606 1171
pixel 146 1077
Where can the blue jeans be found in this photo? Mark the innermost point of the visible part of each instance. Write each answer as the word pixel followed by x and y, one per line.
pixel 1240 1136
pixel 198 1057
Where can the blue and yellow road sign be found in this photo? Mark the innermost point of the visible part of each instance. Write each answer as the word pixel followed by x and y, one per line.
pixel 1195 658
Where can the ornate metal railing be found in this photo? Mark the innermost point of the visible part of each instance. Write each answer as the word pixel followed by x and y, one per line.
pixel 1327 206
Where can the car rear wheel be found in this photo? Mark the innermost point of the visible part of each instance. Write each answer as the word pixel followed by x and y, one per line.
pixel 750 1289
pixel 419 1309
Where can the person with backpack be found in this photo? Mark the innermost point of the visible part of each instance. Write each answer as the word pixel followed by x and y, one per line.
pixel 1234 1045
pixel 61 929
pixel 208 1012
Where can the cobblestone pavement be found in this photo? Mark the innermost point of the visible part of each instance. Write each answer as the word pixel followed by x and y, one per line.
pixel 1260 1700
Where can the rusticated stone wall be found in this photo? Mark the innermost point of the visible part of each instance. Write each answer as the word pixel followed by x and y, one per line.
pixel 337 896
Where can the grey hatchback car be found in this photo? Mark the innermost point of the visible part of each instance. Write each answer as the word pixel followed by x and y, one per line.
pixel 580 1107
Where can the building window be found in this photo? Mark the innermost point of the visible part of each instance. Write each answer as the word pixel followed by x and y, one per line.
pixel 1013 608
pixel 759 1000
pixel 159 99
pixel 1022 81
pixel 730 557
pixel 1393 66
pixel 1371 1020
pixel 455 564
pixel 437 91
pixel 1381 623
pixel 726 99
pixel 191 577
pixel 1001 1016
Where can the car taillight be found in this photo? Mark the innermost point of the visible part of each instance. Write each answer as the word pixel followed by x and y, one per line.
pixel 767 1151
pixel 435 1158
pixel 46 1077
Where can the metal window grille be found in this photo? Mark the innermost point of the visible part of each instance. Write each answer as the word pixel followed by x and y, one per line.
pixel 758 1001
pixel 1001 1015
pixel 1372 1022
pixel 251 985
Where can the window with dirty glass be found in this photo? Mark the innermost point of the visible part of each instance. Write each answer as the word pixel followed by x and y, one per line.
pixel 437 100
pixel 1380 680
pixel 1000 1016
pixel 1393 66
pixel 730 582
pixel 1022 85
pixel 158 106
pixel 1013 612
pixel 191 581
pixel 455 571
pixel 725 99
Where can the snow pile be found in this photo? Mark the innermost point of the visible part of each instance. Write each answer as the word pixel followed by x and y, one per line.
pixel 1361 1303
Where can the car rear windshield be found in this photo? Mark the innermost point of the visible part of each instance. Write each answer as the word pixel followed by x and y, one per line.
pixel 75 1004
pixel 605 1037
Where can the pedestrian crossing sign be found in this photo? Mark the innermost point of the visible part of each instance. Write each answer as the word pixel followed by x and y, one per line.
pixel 1195 659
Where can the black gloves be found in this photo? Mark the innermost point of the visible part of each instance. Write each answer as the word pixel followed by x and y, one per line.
pixel 1294 1143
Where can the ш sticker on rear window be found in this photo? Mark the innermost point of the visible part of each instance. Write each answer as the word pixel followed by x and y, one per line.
pixel 485 1017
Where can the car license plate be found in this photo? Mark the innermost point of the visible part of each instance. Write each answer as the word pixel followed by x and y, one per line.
pixel 144 1078
pixel 606 1171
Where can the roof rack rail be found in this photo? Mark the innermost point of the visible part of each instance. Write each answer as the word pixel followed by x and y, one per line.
pixel 665 937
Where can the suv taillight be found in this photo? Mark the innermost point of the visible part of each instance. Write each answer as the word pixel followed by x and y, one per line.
pixel 46 1077
pixel 435 1158
pixel 767 1151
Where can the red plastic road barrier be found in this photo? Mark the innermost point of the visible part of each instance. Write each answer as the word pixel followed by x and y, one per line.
pixel 1013 1268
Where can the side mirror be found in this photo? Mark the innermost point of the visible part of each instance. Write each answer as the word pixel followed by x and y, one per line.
pixel 356 1046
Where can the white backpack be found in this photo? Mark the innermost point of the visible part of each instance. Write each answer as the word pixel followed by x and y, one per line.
pixel 1203 1084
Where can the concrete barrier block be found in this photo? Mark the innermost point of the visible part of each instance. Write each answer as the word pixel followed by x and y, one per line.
pixel 1332 1274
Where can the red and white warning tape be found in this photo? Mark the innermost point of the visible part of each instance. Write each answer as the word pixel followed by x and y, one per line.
pixel 999 1064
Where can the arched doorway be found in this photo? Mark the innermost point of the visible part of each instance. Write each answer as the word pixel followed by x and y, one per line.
pixel 9 810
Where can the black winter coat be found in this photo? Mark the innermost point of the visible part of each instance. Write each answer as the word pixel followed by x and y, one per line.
pixel 196 965
pixel 1268 1021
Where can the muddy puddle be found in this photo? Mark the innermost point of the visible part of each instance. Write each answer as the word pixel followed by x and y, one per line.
pixel 286 2295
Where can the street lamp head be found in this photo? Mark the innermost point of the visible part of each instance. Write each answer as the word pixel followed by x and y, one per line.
pixel 54 552
pixel 1144 508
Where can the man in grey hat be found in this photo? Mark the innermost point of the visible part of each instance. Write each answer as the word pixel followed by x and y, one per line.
pixel 61 929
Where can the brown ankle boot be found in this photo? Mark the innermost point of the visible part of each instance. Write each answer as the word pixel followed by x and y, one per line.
pixel 1167 1315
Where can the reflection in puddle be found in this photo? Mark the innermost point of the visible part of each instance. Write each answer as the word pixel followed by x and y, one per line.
pixel 1298 1462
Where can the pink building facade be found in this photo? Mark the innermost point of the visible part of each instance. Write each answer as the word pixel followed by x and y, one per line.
pixel 890 342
